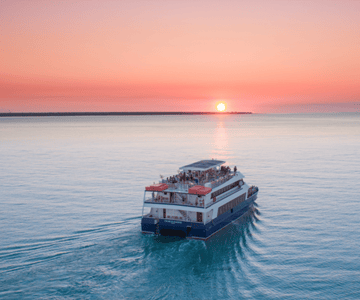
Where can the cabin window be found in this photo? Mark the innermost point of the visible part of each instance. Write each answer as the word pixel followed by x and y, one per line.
pixel 230 205
pixel 199 216
pixel 225 189
pixel 164 213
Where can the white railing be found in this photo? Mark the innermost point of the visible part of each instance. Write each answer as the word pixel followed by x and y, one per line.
pixel 199 203
pixel 188 184
pixel 180 186
pixel 221 180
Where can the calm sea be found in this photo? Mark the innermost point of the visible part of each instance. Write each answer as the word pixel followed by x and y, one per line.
pixel 71 191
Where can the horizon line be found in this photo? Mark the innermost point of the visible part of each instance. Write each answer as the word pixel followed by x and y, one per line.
pixel 45 114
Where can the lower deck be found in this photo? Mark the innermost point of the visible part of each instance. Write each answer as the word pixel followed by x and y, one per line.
pixel 195 230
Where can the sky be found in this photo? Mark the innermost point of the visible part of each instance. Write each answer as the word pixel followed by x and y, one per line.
pixel 186 55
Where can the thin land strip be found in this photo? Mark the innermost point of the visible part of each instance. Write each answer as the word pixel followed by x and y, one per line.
pixel 50 114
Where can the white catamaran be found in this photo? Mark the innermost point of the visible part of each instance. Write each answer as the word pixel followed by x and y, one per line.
pixel 200 200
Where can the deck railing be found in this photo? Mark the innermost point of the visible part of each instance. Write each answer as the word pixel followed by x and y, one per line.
pixel 221 180
pixel 164 200
pixel 214 181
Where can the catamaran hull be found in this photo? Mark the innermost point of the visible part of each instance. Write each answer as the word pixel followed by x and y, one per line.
pixel 195 230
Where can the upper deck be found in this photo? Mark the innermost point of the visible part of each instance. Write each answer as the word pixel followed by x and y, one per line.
pixel 208 173
pixel 177 189
pixel 212 181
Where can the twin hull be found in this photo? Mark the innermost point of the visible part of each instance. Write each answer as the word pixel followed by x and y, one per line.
pixel 195 230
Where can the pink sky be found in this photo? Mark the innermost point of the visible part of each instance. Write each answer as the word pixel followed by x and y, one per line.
pixel 260 56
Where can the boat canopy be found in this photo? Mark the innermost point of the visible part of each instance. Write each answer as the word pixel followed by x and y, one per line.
pixel 159 187
pixel 199 190
pixel 203 165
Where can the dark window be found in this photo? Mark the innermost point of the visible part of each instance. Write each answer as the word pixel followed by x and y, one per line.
pixel 225 189
pixel 199 216
pixel 230 205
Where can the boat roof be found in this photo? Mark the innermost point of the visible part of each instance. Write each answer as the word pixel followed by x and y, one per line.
pixel 203 165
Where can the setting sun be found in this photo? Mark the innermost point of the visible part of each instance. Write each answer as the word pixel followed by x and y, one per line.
pixel 221 106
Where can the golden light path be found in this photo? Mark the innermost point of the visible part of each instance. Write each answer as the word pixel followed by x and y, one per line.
pixel 221 106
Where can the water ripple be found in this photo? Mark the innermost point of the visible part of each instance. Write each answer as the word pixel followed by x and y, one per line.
pixel 71 196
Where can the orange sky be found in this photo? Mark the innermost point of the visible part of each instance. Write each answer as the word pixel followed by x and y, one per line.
pixel 259 56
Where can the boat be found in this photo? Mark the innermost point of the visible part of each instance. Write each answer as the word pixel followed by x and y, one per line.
pixel 203 198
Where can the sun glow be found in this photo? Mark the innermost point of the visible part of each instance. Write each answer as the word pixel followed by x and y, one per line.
pixel 221 106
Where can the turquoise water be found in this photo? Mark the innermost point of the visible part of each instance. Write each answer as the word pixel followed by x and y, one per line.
pixel 71 192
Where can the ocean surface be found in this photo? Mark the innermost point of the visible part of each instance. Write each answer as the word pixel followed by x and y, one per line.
pixel 71 192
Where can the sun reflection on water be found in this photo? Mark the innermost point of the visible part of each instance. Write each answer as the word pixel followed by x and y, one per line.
pixel 221 142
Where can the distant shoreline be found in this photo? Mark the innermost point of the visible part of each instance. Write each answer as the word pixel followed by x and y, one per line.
pixel 51 114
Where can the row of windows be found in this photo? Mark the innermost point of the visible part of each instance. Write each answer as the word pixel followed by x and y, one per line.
pixel 235 202
pixel 225 189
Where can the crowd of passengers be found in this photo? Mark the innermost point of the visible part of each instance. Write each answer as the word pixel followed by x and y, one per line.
pixel 200 176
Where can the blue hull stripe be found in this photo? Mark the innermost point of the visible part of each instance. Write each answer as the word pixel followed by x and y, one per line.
pixel 192 229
